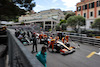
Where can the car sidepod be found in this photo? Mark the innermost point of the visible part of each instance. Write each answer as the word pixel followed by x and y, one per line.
pixel 65 51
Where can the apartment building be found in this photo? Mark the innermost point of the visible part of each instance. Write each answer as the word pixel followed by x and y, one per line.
pixel 55 14
pixel 89 9
pixel 47 18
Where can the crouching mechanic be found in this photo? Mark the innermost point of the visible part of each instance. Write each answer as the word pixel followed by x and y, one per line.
pixel 52 44
pixel 41 56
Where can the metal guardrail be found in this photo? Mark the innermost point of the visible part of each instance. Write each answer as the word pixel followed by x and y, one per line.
pixel 93 41
pixel 19 56
pixel 74 34
pixel 83 39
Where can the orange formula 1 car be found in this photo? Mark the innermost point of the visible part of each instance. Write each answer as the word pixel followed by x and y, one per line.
pixel 62 48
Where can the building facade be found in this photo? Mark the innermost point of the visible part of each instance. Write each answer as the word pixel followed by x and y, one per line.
pixel 48 18
pixel 90 10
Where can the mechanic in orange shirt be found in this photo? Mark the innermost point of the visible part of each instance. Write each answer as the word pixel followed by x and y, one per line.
pixel 63 39
pixel 40 36
pixel 66 38
pixel 52 44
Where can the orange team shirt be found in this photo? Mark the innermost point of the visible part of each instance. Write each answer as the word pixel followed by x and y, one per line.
pixel 66 38
pixel 40 36
pixel 63 39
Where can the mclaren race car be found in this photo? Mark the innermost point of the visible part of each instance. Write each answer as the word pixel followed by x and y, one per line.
pixel 62 48
pixel 65 49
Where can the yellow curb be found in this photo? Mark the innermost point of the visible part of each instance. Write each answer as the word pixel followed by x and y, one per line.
pixel 91 54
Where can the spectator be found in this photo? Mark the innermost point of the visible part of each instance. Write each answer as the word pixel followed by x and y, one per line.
pixel 41 56
pixel 16 33
pixel 34 43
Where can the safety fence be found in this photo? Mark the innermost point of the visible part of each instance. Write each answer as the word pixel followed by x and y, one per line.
pixel 89 40
pixel 82 39
pixel 19 56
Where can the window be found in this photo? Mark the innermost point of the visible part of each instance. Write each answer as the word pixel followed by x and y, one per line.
pixel 53 22
pixel 84 14
pixel 91 23
pixel 91 14
pixel 47 22
pixel 83 7
pixel 79 8
pixel 99 12
pixel 91 5
pixel 97 3
pixel 86 6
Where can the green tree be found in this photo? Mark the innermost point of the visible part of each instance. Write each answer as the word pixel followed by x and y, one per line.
pixel 62 21
pixel 58 28
pixel 10 12
pixel 96 23
pixel 69 14
pixel 22 23
pixel 74 21
pixel 63 26
pixel 59 25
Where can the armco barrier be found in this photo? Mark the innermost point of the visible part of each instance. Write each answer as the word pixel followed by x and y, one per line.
pixel 89 40
pixel 19 56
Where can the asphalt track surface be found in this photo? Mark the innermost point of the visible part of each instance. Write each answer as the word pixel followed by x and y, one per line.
pixel 76 59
